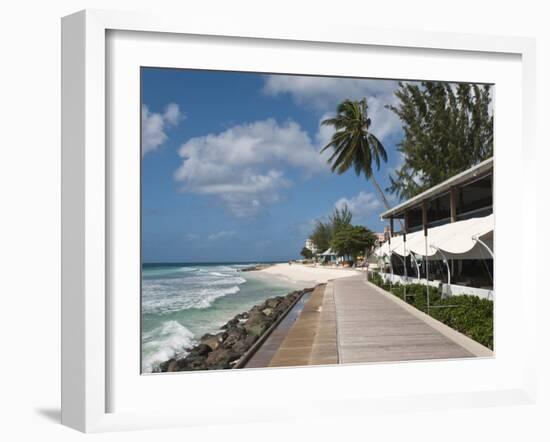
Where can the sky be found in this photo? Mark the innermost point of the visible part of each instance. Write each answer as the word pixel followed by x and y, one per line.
pixel 231 162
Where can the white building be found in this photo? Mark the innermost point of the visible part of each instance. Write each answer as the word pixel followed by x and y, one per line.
pixel 311 246
pixel 447 235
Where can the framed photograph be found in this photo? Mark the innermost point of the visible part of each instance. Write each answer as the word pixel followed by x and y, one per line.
pixel 319 220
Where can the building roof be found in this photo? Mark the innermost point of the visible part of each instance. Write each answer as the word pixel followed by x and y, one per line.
pixel 463 177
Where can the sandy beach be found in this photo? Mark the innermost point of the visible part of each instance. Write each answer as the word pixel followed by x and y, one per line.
pixel 310 274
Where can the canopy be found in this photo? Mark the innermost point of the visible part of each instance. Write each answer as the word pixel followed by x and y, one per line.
pixel 455 240
pixel 328 252
pixel 396 246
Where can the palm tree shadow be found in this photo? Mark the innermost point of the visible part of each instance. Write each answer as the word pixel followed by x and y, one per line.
pixel 51 414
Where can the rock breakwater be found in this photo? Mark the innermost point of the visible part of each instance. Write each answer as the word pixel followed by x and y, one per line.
pixel 235 339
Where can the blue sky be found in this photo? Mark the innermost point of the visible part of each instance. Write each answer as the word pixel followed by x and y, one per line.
pixel 231 169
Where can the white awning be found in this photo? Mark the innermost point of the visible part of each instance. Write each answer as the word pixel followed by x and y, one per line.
pixel 328 252
pixel 455 240
pixel 403 247
pixel 382 250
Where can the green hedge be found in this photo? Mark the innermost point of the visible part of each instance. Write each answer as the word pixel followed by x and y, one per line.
pixel 472 316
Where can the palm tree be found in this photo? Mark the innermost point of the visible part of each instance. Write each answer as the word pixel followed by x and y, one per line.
pixel 354 144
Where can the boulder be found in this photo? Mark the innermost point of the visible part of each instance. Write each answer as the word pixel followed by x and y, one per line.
pixel 233 336
pixel 213 341
pixel 163 366
pixel 231 323
pixel 256 317
pixel 242 316
pixel 257 323
pixel 241 346
pixel 192 363
pixel 283 305
pixel 221 358
pixel 172 365
pixel 197 364
pixel 201 350
pixel 268 311
pixel 257 329
pixel 273 302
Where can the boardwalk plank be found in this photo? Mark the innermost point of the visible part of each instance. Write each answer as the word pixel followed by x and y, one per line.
pixel 312 338
pixel 349 321
pixel 372 328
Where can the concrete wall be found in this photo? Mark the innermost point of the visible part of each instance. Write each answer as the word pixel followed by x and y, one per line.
pixel 409 280
pixel 447 289
pixel 453 289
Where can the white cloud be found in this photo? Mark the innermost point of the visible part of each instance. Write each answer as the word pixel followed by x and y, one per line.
pixel 324 135
pixel 224 234
pixel 191 237
pixel 324 94
pixel 172 114
pixel 154 125
pixel 362 205
pixel 243 165
pixel 392 170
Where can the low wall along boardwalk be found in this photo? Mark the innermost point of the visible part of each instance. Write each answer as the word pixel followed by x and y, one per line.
pixel 447 289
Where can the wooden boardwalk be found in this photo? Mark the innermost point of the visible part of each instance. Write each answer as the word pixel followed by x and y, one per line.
pixel 374 328
pixel 312 338
pixel 265 353
pixel 350 321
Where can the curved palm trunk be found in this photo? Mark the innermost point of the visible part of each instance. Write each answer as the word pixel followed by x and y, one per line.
pixel 383 197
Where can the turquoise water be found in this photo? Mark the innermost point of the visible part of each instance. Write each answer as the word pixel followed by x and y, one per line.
pixel 181 302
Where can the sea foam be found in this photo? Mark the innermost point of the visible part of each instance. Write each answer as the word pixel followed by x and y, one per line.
pixel 174 298
pixel 192 290
pixel 164 342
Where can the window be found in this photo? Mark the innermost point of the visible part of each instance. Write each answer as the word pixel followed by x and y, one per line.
pixel 439 210
pixel 475 199
pixel 414 219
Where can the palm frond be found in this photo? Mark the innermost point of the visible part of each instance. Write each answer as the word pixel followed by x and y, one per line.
pixel 352 143
pixel 378 147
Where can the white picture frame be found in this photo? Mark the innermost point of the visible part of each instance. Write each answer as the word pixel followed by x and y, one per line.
pixel 86 203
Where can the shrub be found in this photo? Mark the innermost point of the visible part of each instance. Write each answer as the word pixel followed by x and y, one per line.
pixel 467 314
pixel 472 316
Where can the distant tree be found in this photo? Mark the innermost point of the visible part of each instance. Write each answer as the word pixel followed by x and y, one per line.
pixel 306 253
pixel 321 236
pixel 324 231
pixel 447 129
pixel 352 241
pixel 340 218
pixel 353 144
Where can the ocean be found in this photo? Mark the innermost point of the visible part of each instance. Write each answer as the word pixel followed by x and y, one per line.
pixel 182 302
